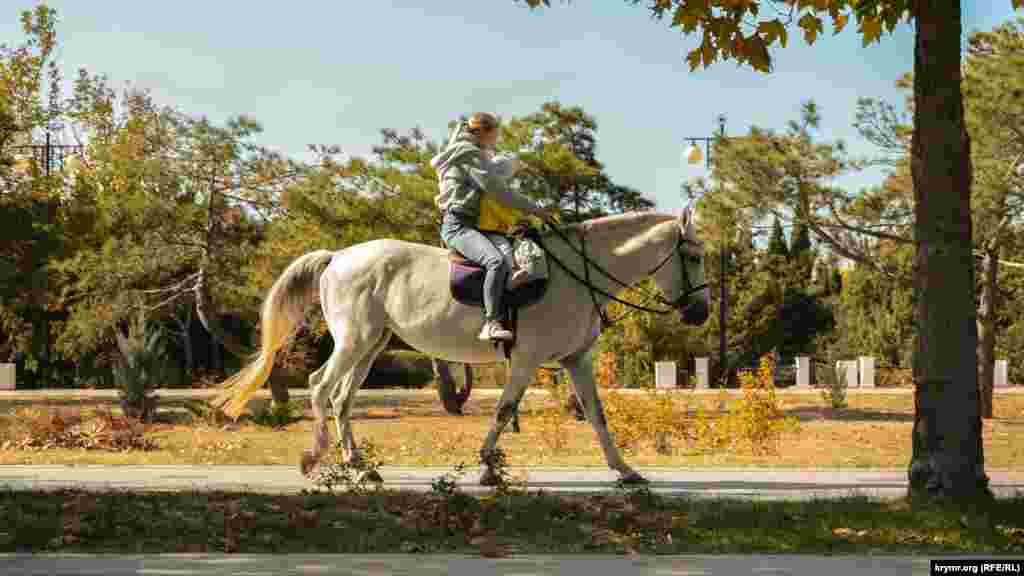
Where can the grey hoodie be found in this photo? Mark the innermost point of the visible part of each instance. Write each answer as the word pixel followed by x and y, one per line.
pixel 464 171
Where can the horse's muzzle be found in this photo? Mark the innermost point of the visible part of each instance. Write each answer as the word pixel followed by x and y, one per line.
pixel 696 313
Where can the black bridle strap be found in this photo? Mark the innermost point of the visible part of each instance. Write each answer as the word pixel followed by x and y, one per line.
pixel 656 297
pixel 586 275
pixel 535 236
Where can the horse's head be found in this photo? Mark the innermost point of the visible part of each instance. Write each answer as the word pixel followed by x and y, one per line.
pixel 682 276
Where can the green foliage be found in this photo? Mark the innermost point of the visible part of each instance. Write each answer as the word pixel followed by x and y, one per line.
pixel 875 313
pixel 834 391
pixel 279 414
pixel 143 366
pixel 777 243
pixel 203 413
pixel 355 476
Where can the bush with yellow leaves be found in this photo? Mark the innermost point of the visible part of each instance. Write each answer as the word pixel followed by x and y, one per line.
pixel 757 422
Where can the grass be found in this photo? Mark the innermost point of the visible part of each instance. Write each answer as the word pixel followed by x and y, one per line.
pixel 393 522
pixel 874 431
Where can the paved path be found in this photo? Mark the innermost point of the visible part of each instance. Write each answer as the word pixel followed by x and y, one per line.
pixel 456 565
pixel 756 483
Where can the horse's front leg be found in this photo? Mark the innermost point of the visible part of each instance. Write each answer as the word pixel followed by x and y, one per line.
pixel 520 377
pixel 580 367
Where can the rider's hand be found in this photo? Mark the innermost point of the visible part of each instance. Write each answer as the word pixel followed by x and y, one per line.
pixel 548 215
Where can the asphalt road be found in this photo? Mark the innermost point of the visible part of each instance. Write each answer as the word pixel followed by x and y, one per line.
pixel 752 483
pixel 456 565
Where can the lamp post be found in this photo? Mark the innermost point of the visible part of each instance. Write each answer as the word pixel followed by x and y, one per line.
pixel 49 154
pixel 693 156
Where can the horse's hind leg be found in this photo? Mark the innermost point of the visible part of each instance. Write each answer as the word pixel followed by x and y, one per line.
pixel 343 399
pixel 354 338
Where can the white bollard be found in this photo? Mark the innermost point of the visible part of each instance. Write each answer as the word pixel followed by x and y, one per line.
pixel 803 372
pixel 866 369
pixel 1001 376
pixel 847 370
pixel 665 375
pixel 703 370
pixel 8 373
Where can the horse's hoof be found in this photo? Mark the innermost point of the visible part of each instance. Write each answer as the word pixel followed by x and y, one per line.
pixel 372 476
pixel 489 478
pixel 308 462
pixel 634 478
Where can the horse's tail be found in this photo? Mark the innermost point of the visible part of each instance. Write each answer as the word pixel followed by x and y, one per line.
pixel 283 309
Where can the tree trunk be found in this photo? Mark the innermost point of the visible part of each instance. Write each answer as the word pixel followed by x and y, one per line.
pixel 186 339
pixel 948 459
pixel 987 330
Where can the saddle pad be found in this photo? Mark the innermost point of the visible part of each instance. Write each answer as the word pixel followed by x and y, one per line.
pixel 467 287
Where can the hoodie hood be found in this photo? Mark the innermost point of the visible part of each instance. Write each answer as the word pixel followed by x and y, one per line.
pixel 459 145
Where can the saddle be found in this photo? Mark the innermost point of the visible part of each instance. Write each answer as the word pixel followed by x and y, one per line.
pixel 466 281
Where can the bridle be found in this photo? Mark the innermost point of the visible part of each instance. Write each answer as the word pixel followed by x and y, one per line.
pixel 676 304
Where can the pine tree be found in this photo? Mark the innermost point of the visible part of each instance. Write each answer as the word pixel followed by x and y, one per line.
pixel 777 244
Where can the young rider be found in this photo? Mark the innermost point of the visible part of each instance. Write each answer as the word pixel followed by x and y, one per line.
pixel 465 171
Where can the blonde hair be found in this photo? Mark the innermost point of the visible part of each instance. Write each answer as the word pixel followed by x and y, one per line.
pixel 482 122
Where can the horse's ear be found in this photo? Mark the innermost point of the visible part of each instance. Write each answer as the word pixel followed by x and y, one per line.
pixel 686 218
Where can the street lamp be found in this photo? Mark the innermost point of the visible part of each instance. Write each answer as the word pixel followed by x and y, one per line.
pixel 49 154
pixel 694 156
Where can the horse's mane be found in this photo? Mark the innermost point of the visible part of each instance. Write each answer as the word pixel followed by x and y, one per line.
pixel 612 222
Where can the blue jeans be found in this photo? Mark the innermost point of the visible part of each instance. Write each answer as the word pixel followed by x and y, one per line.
pixel 459 233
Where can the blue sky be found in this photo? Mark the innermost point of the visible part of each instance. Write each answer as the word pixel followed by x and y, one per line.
pixel 336 73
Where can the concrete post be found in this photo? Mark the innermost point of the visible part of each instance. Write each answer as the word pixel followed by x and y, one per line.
pixel 847 370
pixel 665 375
pixel 866 368
pixel 1001 376
pixel 703 370
pixel 803 372
pixel 8 373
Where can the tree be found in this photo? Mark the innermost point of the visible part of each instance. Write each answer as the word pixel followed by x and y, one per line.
pixel 29 197
pixel 947 459
pixel 993 94
pixel 777 243
pixel 163 202
pixel 992 86
pixel 564 170
pixel 801 251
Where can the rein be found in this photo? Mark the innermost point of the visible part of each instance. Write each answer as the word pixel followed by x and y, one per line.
pixel 594 290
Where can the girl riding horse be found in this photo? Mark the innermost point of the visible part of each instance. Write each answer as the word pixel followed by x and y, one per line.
pixel 466 171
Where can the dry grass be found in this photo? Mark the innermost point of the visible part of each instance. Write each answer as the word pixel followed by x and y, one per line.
pixel 874 431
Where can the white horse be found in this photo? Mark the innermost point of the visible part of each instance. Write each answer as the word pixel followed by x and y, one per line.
pixel 372 290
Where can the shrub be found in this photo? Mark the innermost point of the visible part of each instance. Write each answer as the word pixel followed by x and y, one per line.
pixel 654 419
pixel 279 415
pixel 835 387
pixel 894 377
pixel 203 412
pixel 143 365
pixel 334 471
pixel 400 369
pixel 758 421
pixel 551 419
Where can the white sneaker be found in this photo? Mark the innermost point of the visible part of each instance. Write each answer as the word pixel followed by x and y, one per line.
pixel 493 330
pixel 519 277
